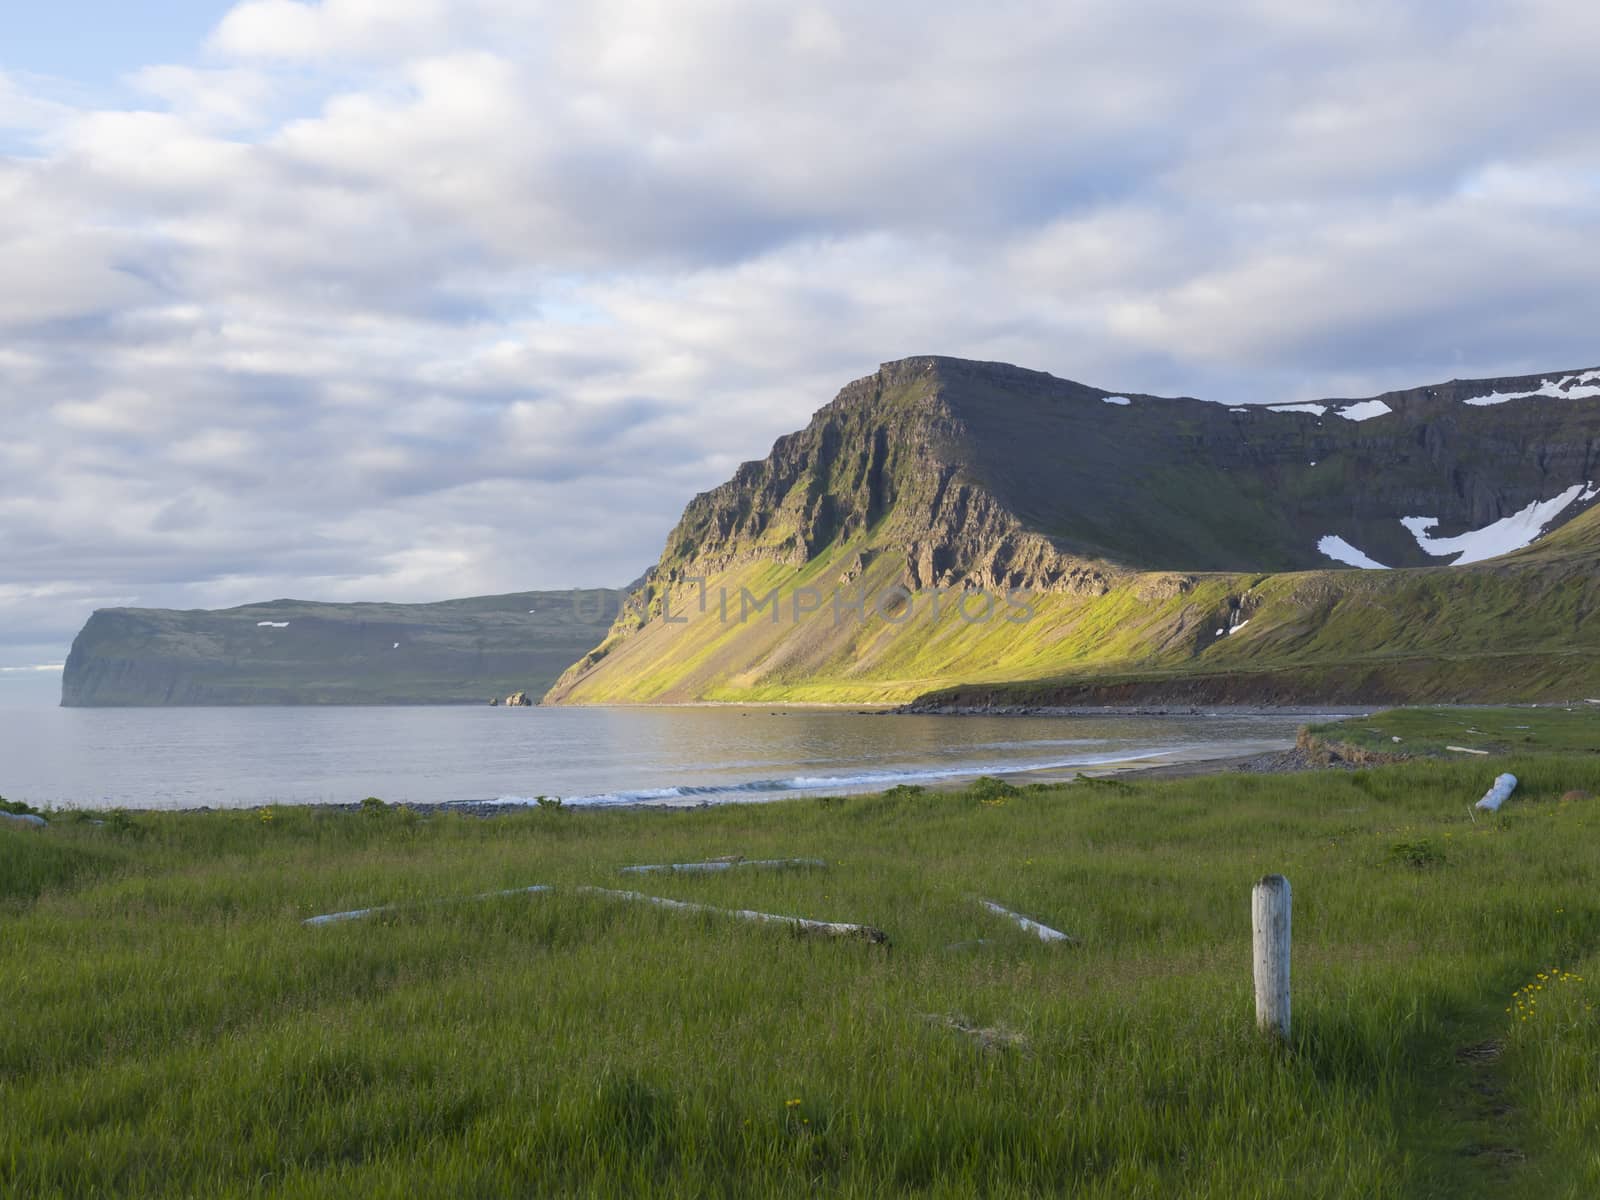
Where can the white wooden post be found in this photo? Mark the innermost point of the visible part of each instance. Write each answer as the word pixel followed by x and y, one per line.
pixel 1269 922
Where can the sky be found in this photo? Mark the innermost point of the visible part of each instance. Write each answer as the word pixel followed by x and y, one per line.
pixel 412 299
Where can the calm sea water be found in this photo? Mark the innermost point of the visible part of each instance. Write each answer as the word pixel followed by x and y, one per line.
pixel 239 757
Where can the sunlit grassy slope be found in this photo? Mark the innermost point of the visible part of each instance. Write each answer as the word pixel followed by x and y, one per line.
pixel 172 1029
pixel 1525 627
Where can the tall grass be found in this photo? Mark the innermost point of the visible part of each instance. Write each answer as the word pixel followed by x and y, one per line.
pixel 172 1029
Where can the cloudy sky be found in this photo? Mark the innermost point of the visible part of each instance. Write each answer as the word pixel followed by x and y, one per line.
pixel 409 299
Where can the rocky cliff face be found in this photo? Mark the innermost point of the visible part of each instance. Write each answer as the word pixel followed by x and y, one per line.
pixel 890 458
pixel 943 473
pixel 298 652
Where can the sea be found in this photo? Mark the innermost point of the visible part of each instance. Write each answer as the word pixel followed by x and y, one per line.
pixel 183 758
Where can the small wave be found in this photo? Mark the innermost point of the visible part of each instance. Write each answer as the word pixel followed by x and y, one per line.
pixel 1031 744
pixel 755 789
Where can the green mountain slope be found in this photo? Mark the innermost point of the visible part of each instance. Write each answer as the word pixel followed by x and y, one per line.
pixel 1160 550
pixel 301 652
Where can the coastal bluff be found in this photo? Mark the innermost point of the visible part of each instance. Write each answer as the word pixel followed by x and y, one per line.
pixel 305 652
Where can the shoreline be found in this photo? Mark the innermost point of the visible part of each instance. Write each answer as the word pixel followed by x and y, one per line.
pixel 1214 752
pixel 1139 710
pixel 1276 762
pixel 1258 762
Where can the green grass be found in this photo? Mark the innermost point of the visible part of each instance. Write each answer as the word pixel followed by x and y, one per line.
pixel 1431 731
pixel 172 1029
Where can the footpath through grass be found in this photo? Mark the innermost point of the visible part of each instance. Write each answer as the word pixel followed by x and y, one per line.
pixel 172 1029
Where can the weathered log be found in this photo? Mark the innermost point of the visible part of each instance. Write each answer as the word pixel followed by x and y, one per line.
pixel 836 929
pixel 723 864
pixel 1041 930
pixel 355 914
pixel 799 924
pixel 993 1037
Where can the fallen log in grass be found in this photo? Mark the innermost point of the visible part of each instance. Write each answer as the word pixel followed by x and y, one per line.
pixel 355 914
pixel 723 864
pixel 836 929
pixel 833 929
pixel 1039 929
pixel 993 1037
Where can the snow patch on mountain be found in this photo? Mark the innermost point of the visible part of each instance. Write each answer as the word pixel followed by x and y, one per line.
pixel 1314 409
pixel 1116 400
pixel 1569 387
pixel 272 624
pixel 1501 537
pixel 1339 550
pixel 1365 410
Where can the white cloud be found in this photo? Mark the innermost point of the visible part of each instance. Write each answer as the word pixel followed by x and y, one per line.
pixel 211 98
pixel 20 109
pixel 292 30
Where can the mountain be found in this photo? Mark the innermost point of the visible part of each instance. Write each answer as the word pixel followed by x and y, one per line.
pixel 1161 549
pixel 301 652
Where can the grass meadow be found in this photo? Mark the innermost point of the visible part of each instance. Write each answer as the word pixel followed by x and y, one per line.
pixel 172 1029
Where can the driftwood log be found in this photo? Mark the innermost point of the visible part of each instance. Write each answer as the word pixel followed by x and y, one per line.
pixel 355 914
pixel 1042 931
pixel 993 1037
pixel 804 925
pixel 831 929
pixel 724 864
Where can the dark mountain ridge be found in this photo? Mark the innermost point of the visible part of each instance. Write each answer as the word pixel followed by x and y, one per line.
pixel 1157 483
